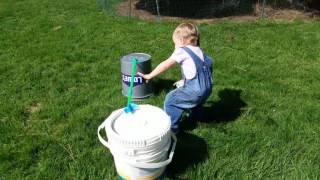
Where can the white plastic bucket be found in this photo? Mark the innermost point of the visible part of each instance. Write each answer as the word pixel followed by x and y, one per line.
pixel 139 142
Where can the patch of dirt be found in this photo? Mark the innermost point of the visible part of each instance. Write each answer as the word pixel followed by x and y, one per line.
pixel 33 108
pixel 269 13
pixel 289 14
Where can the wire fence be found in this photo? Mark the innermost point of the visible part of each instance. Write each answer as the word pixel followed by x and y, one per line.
pixel 204 9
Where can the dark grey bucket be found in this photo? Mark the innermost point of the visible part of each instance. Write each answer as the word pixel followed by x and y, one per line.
pixel 141 89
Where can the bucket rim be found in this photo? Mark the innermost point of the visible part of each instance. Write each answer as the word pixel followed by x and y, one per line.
pixel 134 142
pixel 126 58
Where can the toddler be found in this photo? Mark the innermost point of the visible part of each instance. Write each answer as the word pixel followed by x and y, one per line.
pixel 196 86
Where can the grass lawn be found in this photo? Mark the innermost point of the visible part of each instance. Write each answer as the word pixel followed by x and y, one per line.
pixel 60 78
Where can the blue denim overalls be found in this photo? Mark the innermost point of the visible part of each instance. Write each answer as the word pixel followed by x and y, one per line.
pixel 193 93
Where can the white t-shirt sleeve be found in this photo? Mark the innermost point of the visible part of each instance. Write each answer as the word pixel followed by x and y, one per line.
pixel 179 55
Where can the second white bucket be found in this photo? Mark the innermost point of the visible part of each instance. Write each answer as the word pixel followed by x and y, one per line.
pixel 141 142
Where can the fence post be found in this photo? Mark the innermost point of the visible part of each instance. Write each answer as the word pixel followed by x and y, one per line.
pixel 262 11
pixel 158 9
pixel 129 8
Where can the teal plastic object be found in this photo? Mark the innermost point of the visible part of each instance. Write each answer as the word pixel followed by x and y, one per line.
pixel 131 106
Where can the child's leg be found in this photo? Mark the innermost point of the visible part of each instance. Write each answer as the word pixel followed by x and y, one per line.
pixel 175 115
pixel 176 102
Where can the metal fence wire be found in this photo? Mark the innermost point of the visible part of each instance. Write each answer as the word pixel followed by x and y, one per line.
pixel 199 9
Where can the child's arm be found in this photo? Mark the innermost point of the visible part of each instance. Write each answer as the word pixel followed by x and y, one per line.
pixel 162 67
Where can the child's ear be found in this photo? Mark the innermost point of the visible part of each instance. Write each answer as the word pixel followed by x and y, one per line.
pixel 182 41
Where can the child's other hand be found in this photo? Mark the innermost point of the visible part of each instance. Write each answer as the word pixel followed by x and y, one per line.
pixel 147 77
pixel 179 83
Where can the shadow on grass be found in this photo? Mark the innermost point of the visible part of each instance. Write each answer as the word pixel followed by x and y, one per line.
pixel 228 108
pixel 190 151
pixel 162 85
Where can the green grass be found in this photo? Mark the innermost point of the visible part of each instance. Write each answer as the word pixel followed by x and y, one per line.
pixel 60 78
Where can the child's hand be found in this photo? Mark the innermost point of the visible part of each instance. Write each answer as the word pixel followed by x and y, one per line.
pixel 147 77
pixel 179 83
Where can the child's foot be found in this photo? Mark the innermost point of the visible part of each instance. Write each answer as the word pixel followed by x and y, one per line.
pixel 175 131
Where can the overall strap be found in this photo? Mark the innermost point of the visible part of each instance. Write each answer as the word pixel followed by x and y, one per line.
pixel 194 57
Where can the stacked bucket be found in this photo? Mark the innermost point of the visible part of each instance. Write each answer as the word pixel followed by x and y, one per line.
pixel 141 142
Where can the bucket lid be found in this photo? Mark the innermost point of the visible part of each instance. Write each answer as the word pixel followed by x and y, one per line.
pixel 140 56
pixel 146 122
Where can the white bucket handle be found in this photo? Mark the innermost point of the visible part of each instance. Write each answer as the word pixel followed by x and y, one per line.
pixel 104 142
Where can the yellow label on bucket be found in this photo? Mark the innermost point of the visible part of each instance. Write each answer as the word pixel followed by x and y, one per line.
pixel 155 176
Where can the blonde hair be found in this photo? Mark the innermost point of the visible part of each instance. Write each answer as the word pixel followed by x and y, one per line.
pixel 188 32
